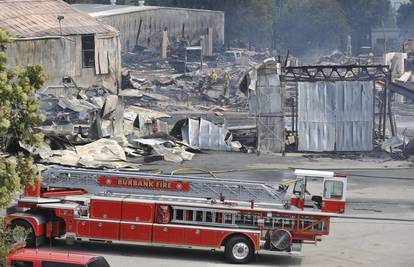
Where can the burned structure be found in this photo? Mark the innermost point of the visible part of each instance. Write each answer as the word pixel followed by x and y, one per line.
pixel 69 44
pixel 266 100
pixel 336 106
pixel 333 107
pixel 147 26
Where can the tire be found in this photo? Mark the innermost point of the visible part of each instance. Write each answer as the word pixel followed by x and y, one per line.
pixel 239 250
pixel 31 238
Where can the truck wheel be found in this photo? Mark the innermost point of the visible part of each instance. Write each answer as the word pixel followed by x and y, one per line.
pixel 31 238
pixel 239 249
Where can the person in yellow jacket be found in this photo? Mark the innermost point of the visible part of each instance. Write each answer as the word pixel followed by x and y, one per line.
pixel 213 76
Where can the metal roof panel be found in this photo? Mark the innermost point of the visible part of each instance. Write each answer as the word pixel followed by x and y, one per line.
pixel 38 18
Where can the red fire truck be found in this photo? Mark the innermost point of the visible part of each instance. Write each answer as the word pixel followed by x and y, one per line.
pixel 243 217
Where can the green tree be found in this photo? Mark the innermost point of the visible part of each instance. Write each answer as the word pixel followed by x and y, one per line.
pixel 405 18
pixel 18 118
pixel 8 238
pixel 362 16
pixel 311 27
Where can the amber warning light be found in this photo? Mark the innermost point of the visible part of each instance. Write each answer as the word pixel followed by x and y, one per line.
pixel 143 183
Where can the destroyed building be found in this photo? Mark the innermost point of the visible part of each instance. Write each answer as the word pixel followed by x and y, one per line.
pixel 65 41
pixel 266 100
pixel 329 114
pixel 144 26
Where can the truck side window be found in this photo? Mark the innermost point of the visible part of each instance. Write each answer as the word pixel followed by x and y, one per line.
pixel 209 216
pixel 59 264
pixel 21 264
pixel 228 218
pixel 333 189
pixel 163 214
pixel 199 216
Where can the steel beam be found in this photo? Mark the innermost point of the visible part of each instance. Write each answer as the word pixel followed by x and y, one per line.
pixel 335 73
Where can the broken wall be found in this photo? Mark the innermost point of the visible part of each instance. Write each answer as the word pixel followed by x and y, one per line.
pixel 62 56
pixel 205 135
pixel 267 101
pixel 154 21
pixel 335 116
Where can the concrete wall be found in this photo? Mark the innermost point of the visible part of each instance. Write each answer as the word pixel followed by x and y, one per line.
pixel 155 20
pixel 61 57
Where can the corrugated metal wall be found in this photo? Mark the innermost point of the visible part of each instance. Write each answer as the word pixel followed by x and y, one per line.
pixel 335 116
pixel 269 104
pixel 61 57
pixel 154 21
pixel 205 135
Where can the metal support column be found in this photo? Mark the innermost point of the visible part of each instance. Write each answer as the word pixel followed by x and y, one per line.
pixel 384 102
pixel 392 123
pixel 293 115
pixel 380 111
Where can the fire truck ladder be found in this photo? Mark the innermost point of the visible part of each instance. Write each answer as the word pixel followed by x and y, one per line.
pixel 205 187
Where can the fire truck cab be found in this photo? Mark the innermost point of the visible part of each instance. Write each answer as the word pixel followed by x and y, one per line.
pixel 331 199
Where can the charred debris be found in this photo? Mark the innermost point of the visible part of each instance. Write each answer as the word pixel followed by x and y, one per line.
pixel 160 112
pixel 171 109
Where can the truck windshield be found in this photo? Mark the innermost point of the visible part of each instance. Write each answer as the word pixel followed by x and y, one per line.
pixel 98 262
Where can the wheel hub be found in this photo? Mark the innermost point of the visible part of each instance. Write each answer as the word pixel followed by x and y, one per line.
pixel 240 250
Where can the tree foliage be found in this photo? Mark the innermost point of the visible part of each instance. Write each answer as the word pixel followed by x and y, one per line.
pixel 312 27
pixel 363 15
pixel 18 119
pixel 9 237
pixel 405 18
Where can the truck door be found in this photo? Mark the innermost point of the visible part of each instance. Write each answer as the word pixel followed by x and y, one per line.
pixel 136 222
pixel 105 216
pixel 334 194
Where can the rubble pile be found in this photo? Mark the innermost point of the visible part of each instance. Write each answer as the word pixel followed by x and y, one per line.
pixel 192 91
pixel 336 58
pixel 159 113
